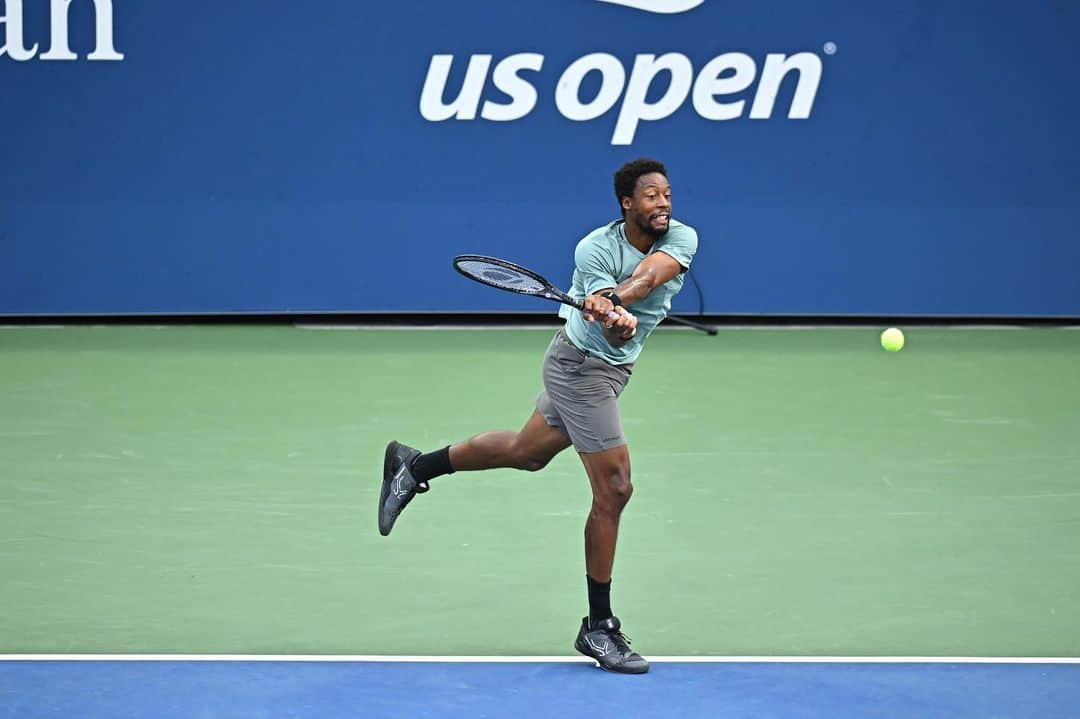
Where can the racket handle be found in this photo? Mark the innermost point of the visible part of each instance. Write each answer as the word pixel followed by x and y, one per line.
pixel 611 315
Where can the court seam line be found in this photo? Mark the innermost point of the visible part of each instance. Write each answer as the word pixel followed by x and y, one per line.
pixel 453 659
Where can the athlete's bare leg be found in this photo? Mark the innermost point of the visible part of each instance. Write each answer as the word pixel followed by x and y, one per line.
pixel 530 449
pixel 609 475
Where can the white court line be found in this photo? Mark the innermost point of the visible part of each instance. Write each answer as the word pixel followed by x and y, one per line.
pixel 518 659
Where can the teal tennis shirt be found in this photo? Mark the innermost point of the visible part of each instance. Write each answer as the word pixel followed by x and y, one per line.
pixel 602 260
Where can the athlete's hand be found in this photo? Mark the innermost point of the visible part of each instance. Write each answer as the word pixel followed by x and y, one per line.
pixel 597 308
pixel 624 325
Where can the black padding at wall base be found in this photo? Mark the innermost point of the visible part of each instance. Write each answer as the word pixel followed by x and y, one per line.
pixel 527 319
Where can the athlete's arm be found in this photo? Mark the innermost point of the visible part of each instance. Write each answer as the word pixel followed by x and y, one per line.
pixel 653 271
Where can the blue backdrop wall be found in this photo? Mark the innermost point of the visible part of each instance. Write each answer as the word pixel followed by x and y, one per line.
pixel 914 158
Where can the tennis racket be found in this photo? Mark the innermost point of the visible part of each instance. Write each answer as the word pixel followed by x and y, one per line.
pixel 505 275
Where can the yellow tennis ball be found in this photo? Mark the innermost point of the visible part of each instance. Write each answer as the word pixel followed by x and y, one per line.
pixel 892 339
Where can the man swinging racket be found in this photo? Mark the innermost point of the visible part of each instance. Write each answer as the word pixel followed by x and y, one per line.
pixel 625 276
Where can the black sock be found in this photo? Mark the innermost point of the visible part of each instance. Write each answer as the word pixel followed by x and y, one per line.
pixel 431 465
pixel 599 600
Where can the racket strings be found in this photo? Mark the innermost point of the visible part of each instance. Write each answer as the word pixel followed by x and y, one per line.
pixel 501 276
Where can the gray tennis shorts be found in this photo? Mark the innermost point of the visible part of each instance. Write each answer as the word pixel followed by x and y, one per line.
pixel 580 396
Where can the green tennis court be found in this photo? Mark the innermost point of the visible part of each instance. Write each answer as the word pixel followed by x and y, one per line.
pixel 212 489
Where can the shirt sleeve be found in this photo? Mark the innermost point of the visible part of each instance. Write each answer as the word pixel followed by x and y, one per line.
pixel 681 243
pixel 595 266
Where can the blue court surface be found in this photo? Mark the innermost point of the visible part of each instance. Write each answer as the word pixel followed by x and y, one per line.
pixel 328 689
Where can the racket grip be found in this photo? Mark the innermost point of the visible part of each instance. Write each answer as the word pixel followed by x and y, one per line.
pixel 611 315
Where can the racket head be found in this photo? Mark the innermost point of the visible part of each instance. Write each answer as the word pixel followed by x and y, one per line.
pixel 506 275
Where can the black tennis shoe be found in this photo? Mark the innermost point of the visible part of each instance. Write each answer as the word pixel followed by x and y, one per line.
pixel 609 647
pixel 398 484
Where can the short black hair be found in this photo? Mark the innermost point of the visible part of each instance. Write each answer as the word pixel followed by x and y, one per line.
pixel 626 177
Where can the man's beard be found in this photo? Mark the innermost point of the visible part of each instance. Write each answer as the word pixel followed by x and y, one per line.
pixel 645 225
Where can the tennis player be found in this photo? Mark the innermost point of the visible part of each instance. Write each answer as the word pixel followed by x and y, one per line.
pixel 626 274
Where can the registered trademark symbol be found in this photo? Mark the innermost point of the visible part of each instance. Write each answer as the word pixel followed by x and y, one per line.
pixel 830 48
